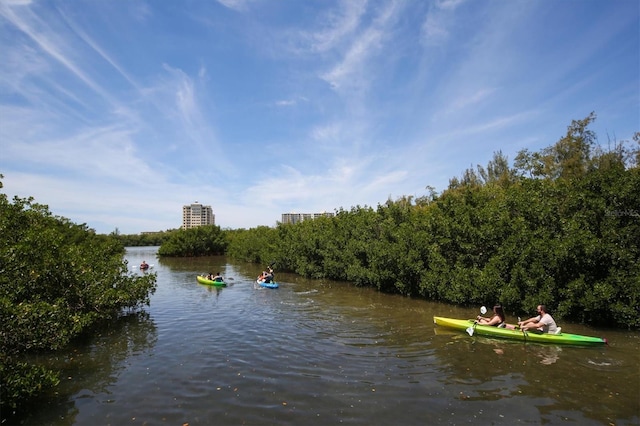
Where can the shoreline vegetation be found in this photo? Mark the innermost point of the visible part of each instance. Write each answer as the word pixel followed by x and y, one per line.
pixel 59 281
pixel 559 227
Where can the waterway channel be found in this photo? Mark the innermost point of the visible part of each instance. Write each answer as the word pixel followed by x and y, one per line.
pixel 325 353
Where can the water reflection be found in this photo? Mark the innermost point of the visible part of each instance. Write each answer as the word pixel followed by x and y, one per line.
pixel 318 353
pixel 99 360
pixel 555 379
pixel 213 289
pixel 547 354
pixel 535 353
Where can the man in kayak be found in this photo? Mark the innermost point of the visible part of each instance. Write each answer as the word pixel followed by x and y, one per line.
pixel 217 278
pixel 542 323
pixel 267 275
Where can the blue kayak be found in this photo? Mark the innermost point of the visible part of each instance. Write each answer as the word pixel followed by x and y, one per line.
pixel 267 285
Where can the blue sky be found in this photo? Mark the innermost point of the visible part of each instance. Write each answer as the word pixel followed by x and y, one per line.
pixel 118 113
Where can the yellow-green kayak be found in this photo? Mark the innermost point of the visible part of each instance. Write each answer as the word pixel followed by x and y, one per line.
pixel 517 334
pixel 204 280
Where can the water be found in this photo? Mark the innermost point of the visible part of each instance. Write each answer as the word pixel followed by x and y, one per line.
pixel 321 353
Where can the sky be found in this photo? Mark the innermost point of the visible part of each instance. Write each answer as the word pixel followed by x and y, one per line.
pixel 117 113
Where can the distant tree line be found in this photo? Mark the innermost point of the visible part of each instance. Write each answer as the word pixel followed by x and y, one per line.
pixel 207 240
pixel 58 281
pixel 143 239
pixel 560 227
pixel 204 240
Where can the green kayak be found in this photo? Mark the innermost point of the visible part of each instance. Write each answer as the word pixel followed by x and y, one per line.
pixel 516 334
pixel 204 280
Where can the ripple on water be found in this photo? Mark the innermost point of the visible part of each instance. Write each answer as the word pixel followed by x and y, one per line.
pixel 305 354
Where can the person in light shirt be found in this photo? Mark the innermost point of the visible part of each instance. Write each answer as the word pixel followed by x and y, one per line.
pixel 541 323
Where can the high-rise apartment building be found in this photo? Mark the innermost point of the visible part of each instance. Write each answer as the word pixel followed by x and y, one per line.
pixel 299 217
pixel 196 214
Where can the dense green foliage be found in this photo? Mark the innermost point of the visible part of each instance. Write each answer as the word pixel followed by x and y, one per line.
pixel 58 280
pixel 145 239
pixel 201 241
pixel 561 227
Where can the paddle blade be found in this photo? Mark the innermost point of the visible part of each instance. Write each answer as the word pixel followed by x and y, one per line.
pixel 470 330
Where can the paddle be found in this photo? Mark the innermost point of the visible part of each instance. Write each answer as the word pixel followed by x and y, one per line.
pixel 524 332
pixel 269 271
pixel 471 329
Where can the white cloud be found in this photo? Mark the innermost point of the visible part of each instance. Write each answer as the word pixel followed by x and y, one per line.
pixel 354 70
pixel 122 133
pixel 339 25
pixel 436 27
pixel 49 41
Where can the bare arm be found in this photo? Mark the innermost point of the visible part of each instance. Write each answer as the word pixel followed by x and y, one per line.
pixel 495 320
pixel 529 321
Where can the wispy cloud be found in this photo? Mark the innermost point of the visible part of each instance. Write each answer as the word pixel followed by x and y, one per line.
pixel 338 25
pixel 97 48
pixel 437 25
pixel 354 70
pixel 117 115
pixel 296 100
pixel 50 42
pixel 237 5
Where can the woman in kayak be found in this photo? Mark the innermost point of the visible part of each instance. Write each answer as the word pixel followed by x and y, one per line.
pixel 542 323
pixel 497 320
pixel 267 275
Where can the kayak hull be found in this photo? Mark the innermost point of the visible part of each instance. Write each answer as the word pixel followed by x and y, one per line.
pixel 205 281
pixel 267 285
pixel 517 334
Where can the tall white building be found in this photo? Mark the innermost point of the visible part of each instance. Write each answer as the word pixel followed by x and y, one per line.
pixel 196 214
pixel 299 217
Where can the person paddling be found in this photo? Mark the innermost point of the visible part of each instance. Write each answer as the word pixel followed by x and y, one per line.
pixel 541 323
pixel 497 320
pixel 267 276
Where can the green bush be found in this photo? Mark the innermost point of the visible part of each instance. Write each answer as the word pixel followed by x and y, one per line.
pixel 58 280
pixel 562 228
pixel 206 240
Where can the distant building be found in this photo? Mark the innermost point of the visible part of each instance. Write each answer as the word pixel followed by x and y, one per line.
pixel 299 217
pixel 196 214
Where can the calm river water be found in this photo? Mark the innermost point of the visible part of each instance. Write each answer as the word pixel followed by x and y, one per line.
pixel 325 353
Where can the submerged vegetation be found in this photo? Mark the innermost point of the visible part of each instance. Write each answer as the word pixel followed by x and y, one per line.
pixel 560 227
pixel 58 281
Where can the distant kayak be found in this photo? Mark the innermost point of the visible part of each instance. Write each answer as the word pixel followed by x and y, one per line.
pixel 510 332
pixel 267 285
pixel 204 280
